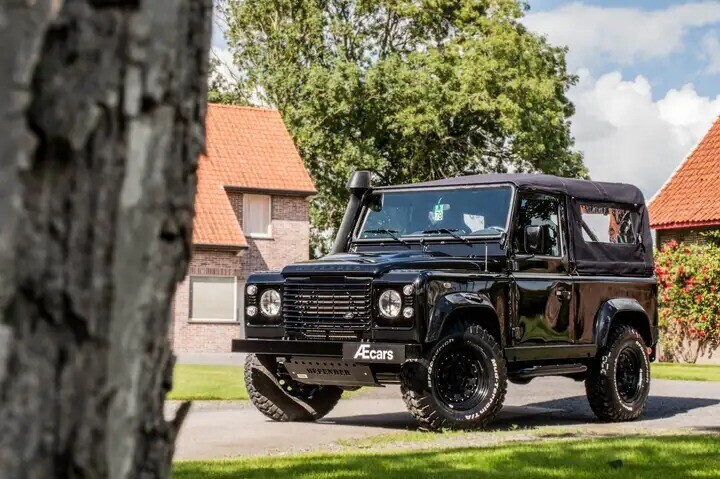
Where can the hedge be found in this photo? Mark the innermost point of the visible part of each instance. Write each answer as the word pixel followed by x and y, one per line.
pixel 689 299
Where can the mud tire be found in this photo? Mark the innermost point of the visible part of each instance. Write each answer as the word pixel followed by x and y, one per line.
pixel 608 400
pixel 422 391
pixel 282 401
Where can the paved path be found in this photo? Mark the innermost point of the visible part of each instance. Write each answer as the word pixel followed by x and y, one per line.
pixel 236 429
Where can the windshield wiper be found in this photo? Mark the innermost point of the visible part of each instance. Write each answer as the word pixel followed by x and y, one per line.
pixel 391 233
pixel 447 231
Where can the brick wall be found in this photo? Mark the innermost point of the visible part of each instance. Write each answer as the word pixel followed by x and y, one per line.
pixel 290 242
pixel 290 229
pixel 684 235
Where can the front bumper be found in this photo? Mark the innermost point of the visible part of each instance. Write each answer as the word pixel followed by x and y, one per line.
pixel 357 352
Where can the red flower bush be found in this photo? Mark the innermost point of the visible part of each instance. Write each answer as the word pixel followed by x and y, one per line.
pixel 688 279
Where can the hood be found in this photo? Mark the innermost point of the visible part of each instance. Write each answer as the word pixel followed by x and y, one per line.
pixel 376 264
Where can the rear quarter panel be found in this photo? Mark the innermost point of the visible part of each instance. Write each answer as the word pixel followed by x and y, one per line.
pixel 591 292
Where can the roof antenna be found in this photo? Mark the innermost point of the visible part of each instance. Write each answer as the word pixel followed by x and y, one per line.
pixel 486 257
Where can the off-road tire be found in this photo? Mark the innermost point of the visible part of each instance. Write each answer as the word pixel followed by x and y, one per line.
pixel 421 396
pixel 601 384
pixel 271 398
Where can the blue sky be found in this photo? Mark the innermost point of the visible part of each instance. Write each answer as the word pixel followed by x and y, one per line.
pixel 649 85
pixel 687 64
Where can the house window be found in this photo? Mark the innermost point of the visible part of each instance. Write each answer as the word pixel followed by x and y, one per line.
pixel 257 213
pixel 213 298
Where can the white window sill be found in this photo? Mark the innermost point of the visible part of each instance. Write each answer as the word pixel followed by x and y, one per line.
pixel 213 321
pixel 259 236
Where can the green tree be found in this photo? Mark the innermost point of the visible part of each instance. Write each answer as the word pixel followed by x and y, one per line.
pixel 412 89
pixel 222 86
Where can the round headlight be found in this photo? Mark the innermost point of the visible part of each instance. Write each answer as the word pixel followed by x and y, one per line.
pixel 251 311
pixel 408 312
pixel 270 302
pixel 408 289
pixel 390 303
pixel 251 290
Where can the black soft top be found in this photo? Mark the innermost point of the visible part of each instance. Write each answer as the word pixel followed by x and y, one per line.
pixel 587 257
pixel 588 190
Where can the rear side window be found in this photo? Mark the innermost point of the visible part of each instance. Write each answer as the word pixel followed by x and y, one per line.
pixel 607 224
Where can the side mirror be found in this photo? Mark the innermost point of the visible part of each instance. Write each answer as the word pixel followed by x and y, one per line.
pixel 534 238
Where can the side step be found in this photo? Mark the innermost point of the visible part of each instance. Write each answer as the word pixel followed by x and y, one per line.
pixel 549 370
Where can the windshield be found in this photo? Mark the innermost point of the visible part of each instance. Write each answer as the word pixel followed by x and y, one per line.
pixel 449 212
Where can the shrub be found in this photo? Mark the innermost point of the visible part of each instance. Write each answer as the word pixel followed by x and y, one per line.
pixel 689 299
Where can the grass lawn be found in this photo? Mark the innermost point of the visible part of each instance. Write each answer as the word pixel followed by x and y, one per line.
pixel 666 457
pixel 688 372
pixel 193 381
pixel 201 382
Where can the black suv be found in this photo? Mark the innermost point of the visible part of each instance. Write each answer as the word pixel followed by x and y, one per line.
pixel 453 287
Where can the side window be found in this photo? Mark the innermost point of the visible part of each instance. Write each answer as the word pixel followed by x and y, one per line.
pixel 606 224
pixel 539 210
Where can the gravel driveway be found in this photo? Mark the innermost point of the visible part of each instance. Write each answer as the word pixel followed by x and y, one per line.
pixel 214 430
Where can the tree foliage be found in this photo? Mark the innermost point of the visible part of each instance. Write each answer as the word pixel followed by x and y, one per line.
pixel 411 89
pixel 689 283
pixel 222 87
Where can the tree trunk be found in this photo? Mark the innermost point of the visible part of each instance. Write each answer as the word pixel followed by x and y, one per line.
pixel 102 106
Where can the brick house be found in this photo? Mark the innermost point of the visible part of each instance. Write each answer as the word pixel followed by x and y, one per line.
pixel 251 214
pixel 688 204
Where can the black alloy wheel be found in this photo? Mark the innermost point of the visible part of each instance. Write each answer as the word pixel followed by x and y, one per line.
pixel 460 383
pixel 628 374
pixel 460 377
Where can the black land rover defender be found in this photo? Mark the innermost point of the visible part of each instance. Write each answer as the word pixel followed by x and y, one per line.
pixel 453 287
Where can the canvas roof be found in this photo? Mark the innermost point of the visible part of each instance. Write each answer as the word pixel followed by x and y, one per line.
pixel 583 189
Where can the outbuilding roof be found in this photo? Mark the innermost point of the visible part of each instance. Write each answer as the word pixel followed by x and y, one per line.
pixel 691 196
pixel 248 149
pixel 583 189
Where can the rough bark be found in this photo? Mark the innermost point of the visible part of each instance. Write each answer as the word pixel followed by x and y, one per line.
pixel 102 107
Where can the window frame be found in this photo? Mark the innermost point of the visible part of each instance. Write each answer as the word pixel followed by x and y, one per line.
pixel 236 315
pixel 619 206
pixel 360 224
pixel 562 250
pixel 246 209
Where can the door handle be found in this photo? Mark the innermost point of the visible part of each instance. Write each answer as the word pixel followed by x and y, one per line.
pixel 563 294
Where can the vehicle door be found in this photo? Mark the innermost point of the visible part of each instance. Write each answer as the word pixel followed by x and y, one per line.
pixel 542 285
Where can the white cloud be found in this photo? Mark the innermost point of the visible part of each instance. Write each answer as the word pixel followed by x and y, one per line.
pixel 622 35
pixel 628 137
pixel 711 52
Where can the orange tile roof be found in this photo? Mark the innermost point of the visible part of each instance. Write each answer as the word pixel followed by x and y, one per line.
pixel 248 148
pixel 691 196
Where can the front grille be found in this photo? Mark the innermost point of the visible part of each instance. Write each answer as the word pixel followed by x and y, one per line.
pixel 334 308
pixel 347 334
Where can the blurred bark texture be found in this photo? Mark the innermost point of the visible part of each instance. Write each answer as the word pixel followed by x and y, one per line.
pixel 102 107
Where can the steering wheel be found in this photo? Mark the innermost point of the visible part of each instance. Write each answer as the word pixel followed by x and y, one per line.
pixel 496 228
